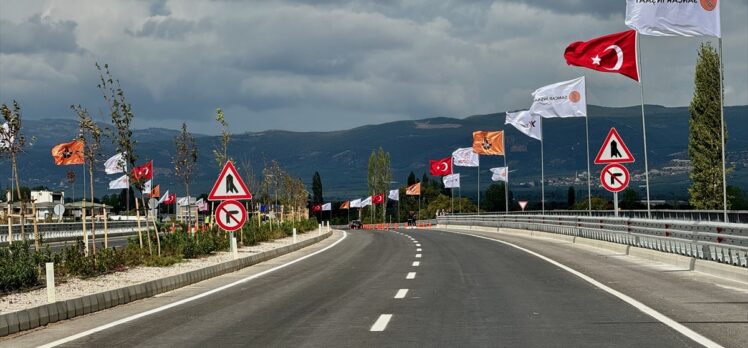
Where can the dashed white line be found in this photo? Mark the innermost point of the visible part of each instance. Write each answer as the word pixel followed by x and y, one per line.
pixel 381 322
pixel 401 293
pixel 411 275
pixel 418 256
pixel 418 245
pixel 419 249
pixel 416 263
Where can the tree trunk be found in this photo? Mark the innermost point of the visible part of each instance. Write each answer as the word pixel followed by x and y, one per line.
pixel 93 211
pixel 147 229
pixel 37 244
pixel 22 220
pixel 137 219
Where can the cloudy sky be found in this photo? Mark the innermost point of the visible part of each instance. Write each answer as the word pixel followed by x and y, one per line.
pixel 331 64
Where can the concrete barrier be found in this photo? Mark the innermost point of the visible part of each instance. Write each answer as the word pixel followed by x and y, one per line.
pixel 31 318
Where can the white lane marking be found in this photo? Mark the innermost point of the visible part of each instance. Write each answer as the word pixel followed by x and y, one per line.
pixel 189 299
pixel 416 263
pixel 381 322
pixel 418 256
pixel 401 293
pixel 628 299
pixel 418 245
pixel 411 275
pixel 419 249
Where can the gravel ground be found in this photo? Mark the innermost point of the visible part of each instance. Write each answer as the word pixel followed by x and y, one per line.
pixel 76 287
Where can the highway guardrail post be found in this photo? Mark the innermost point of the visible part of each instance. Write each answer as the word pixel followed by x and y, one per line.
pixel 294 234
pixel 51 298
pixel 319 230
pixel 234 250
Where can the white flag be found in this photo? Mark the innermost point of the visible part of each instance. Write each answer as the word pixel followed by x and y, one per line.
pixel 115 164
pixel 122 182
pixel 526 123
pixel 147 187
pixel 5 139
pixel 356 203
pixel 500 174
pixel 394 195
pixel 674 18
pixel 327 207
pixel 163 197
pixel 465 157
pixel 366 201
pixel 184 201
pixel 451 180
pixel 562 99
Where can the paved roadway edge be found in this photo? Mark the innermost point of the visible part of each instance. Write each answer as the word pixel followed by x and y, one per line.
pixel 708 267
pixel 680 328
pixel 31 318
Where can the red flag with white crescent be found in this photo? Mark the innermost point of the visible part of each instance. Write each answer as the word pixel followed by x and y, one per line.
pixel 441 167
pixel 613 53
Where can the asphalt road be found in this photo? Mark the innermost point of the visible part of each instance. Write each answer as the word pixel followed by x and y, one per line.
pixel 464 292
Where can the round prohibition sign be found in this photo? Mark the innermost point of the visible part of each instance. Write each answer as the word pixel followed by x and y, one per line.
pixel 615 177
pixel 231 215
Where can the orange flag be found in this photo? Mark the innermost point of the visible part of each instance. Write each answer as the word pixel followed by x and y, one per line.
pixel 488 143
pixel 68 153
pixel 345 205
pixel 156 191
pixel 413 190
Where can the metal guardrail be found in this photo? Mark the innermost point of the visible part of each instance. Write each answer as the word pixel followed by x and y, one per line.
pixel 69 230
pixel 715 241
pixel 736 216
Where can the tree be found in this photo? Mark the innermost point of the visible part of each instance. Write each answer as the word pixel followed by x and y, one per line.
pixel 736 198
pixel 379 174
pixel 12 142
pixel 411 179
pixel 704 144
pixel 495 198
pixel 184 160
pixel 317 197
pixel 90 134
pixel 221 153
pixel 249 176
pixel 571 197
pixel 630 199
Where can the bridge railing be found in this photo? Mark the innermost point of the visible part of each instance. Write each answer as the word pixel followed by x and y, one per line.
pixel 716 241
pixel 736 216
pixel 69 230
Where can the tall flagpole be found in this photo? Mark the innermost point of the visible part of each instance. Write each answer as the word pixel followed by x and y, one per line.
pixel 587 134
pixel 722 131
pixel 479 186
pixel 542 170
pixel 452 199
pixel 506 186
pixel 644 125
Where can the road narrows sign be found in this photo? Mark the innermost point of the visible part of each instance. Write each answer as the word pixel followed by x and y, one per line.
pixel 231 215
pixel 614 150
pixel 615 177
pixel 229 185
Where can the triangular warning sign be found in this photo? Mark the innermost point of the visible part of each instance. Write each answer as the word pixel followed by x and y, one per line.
pixel 229 185
pixel 614 150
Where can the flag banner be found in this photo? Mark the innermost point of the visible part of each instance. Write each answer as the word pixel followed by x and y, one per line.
pixel 526 123
pixel 147 187
pixel 122 182
pixel 488 143
pixel 377 198
pixel 562 99
pixel 164 197
pixel 394 195
pixel 170 199
pixel 144 172
pixel 327 207
pixel 115 164
pixel 441 167
pixel 500 174
pixel 202 205
pixel 156 192
pixel 346 205
pixel 68 153
pixel 613 53
pixel 413 190
pixel 316 208
pixel 674 18
pixel 452 180
pixel 6 140
pixel 184 201
pixel 356 203
pixel 366 201
pixel 465 157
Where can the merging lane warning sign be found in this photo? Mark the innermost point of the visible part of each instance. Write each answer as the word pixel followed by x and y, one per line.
pixel 229 185
pixel 614 177
pixel 231 215
pixel 614 150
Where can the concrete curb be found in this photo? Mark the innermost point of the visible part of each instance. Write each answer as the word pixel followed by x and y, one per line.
pixel 716 269
pixel 34 317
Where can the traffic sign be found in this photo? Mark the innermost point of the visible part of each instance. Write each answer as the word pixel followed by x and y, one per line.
pixel 229 185
pixel 59 209
pixel 614 150
pixel 615 177
pixel 230 215
pixel 522 204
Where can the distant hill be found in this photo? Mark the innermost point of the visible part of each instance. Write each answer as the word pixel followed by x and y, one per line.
pixel 341 156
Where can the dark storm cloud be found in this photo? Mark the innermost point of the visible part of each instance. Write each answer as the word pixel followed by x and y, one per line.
pixel 36 34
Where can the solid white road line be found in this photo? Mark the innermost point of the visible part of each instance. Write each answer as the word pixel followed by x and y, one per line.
pixel 418 256
pixel 189 299
pixel 411 275
pixel 419 249
pixel 416 263
pixel 381 323
pixel 638 305
pixel 401 293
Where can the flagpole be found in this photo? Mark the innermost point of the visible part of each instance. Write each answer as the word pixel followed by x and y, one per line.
pixel 542 171
pixel 506 186
pixel 587 135
pixel 644 125
pixel 722 131
pixel 459 199
pixel 452 199
pixel 479 188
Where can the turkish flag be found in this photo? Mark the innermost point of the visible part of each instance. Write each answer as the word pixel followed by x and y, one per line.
pixel 144 172
pixel 171 199
pixel 441 167
pixel 613 53
pixel 316 208
pixel 377 199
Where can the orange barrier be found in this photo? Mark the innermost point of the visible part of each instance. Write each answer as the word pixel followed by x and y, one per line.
pixel 173 228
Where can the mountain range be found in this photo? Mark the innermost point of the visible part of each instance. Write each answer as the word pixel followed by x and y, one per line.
pixel 341 157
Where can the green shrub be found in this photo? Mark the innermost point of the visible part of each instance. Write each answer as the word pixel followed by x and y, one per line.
pixel 17 267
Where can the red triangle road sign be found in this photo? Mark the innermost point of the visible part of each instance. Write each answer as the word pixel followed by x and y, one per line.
pixel 229 185
pixel 614 150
